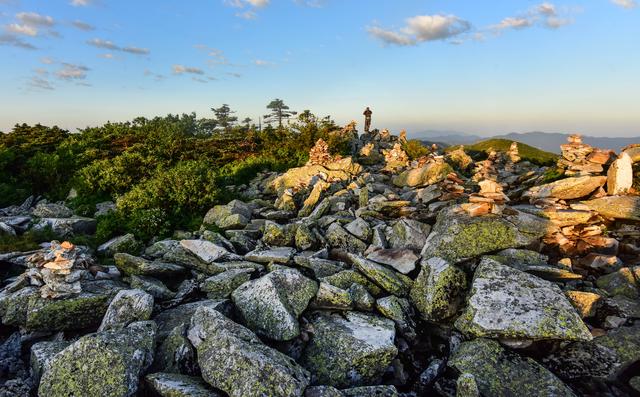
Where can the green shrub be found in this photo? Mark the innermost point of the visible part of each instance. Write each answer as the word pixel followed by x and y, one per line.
pixel 415 149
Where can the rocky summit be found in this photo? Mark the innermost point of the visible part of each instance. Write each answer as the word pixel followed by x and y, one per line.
pixel 378 274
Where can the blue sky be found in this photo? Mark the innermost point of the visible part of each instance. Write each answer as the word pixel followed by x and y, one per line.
pixel 475 66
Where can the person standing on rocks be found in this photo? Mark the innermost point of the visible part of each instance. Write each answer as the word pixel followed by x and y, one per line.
pixel 367 119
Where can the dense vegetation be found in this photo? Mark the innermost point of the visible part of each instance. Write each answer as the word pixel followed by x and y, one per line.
pixel 528 153
pixel 163 173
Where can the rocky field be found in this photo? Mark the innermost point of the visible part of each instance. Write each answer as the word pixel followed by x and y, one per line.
pixel 369 275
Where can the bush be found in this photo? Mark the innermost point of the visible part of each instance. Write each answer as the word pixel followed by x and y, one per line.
pixel 415 149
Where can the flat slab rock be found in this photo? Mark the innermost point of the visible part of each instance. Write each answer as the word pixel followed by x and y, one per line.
pixel 277 255
pixel 177 385
pixel 499 372
pixel 507 303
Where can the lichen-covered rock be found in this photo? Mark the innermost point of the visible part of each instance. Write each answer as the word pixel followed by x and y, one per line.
pixel 338 237
pixel 625 341
pixel 52 210
pixel 388 279
pixel 320 267
pixel 568 188
pixel 408 234
pixel 127 306
pixel 371 391
pixel 152 286
pixel 424 176
pixel 322 391
pixel 333 298
pixel 77 312
pixel 362 299
pixel 14 306
pixel 398 310
pixel 360 228
pixel 498 372
pixel 105 364
pixel 348 351
pixel 616 207
pixel 276 235
pixel 346 278
pixel 403 260
pixel 176 354
pixel 507 303
pixel 438 290
pixel 623 282
pixel 582 360
pixel 234 215
pixel 166 384
pixel 169 319
pixel 235 361
pixel 126 243
pixel 222 285
pixel 130 264
pixel 270 305
pixel 41 355
pixel 340 170
pixel 276 255
pixel 457 236
pixel 466 386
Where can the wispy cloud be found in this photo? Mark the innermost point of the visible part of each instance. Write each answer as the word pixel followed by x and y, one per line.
pixel 109 45
pixel 422 28
pixel 263 63
pixel 181 69
pixel 545 14
pixel 249 7
pixel 628 4
pixel 70 72
pixel 40 83
pixel 83 26
pixel 32 24
pixel 9 39
pixel 216 56
pixel 81 3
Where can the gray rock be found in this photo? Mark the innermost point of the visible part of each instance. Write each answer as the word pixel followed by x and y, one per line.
pixel 277 255
pixel 152 286
pixel 583 360
pixel 507 303
pixel 457 236
pixel 371 391
pixel 438 290
pixel 408 234
pixel 234 215
pixel 64 227
pixel 360 228
pixel 76 312
pixel 320 267
pixel 222 285
pixel 349 351
pixel 362 299
pixel 176 354
pixel 270 305
pixel 322 391
pixel 52 210
pixel 41 355
pixel 177 385
pixel 180 315
pixel 338 237
pixel 499 372
pixel 235 361
pixel 127 306
pixel 105 364
pixel 398 310
pixel 389 280
pixel 205 250
pixel 130 264
pixel 333 298
pixel 403 260
pixel 6 230
pixel 126 244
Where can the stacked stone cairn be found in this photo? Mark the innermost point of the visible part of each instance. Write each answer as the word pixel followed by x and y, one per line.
pixel 579 159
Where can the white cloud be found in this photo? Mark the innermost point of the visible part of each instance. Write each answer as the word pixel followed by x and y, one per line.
pixel 545 15
pixel 422 28
pixel 22 29
pixel 628 4
pixel 83 26
pixel 9 39
pixel 80 3
pixel 108 55
pixel 35 19
pixel 71 71
pixel 47 60
pixel 30 23
pixel 109 45
pixel 514 23
pixel 41 83
pixel 547 9
pixel 262 62
pixel 250 7
pixel 181 69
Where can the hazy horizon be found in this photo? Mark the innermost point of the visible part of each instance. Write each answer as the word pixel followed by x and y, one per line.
pixel 486 69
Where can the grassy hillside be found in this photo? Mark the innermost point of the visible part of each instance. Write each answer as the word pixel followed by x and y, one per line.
pixel 528 153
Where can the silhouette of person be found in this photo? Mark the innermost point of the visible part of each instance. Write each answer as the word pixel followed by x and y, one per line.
pixel 367 119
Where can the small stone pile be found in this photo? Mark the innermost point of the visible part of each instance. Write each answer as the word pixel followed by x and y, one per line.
pixel 490 199
pixel 486 169
pixel 579 159
pixel 319 153
pixel 59 269
pixel 452 187
pixel 514 154
pixel 395 158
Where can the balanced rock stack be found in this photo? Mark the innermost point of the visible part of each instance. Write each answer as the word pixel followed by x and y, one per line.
pixel 489 200
pixel 514 154
pixel 59 269
pixel 319 154
pixel 580 159
pixel 486 169
pixel 395 158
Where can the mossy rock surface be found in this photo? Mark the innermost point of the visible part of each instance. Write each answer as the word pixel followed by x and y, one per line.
pixel 130 264
pixel 78 312
pixel 177 385
pixel 424 176
pixel 507 303
pixel 457 236
pixel 499 372
pixel 104 364
pixel 180 315
pixel 234 360
pixel 386 278
pixel 438 290
pixel 349 351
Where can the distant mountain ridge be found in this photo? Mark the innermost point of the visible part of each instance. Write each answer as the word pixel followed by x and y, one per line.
pixel 542 140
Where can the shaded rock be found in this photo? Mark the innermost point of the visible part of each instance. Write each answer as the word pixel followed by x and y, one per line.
pixel 176 385
pixel 320 267
pixel 389 280
pixel 85 310
pixel 346 278
pixel 362 299
pixel 127 306
pixel 507 303
pixel 126 244
pixel 178 316
pixel 403 260
pixel 130 264
pixel 426 175
pixel 222 285
pixel 498 372
pixel 41 355
pixel 105 364
pixel 623 282
pixel 270 305
pixel 234 215
pixel 620 175
pixel 438 290
pixel 322 391
pixel 398 310
pixel 456 236
pixel 175 353
pixel 625 342
pixel 52 210
pixel 616 207
pixel 466 386
pixel 582 360
pixel 338 237
pixel 63 227
pixel 371 391
pixel 568 188
pixel 408 234
pixel 235 361
pixel 276 255
pixel 332 298
pixel 349 351
pixel 152 286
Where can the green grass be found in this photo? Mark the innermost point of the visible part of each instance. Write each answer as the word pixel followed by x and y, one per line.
pixel 528 153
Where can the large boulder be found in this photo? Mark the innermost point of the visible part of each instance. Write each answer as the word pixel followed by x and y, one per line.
pixel 423 176
pixel 620 175
pixel 338 237
pixel 52 210
pixel 235 361
pixel 270 305
pixel 340 170
pixel 127 306
pixel 616 207
pixel 126 243
pixel 235 215
pixel 438 290
pixel 207 251
pixel 64 227
pixel 350 350
pixel 507 303
pixel 72 313
pixel 107 364
pixel 388 279
pixel 568 188
pixel 181 315
pixel 457 236
pixel 499 372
